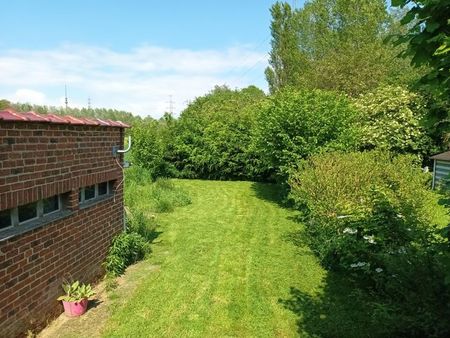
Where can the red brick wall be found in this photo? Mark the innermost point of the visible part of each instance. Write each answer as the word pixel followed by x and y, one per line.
pixel 39 160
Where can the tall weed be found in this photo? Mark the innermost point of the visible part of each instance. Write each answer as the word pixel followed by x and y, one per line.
pixel 126 249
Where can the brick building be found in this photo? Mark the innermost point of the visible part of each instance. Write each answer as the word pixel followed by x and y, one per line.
pixel 61 202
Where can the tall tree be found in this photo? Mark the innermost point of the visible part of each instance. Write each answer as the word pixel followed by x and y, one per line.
pixel 286 60
pixel 336 45
pixel 428 39
pixel 428 43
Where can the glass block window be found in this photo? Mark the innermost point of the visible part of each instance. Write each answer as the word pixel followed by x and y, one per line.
pixel 27 212
pixel 50 204
pixel 102 188
pixel 89 192
pixel 37 212
pixel 92 192
pixel 5 219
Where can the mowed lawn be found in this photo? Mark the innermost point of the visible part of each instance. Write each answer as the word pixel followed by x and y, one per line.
pixel 225 262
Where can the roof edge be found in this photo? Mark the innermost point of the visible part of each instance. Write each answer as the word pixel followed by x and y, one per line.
pixel 445 156
pixel 10 115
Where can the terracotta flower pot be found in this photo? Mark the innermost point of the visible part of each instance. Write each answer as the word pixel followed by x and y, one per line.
pixel 75 309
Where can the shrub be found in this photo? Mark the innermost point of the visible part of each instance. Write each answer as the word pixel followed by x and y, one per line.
pixel 126 249
pixel 151 140
pixel 371 215
pixel 297 124
pixel 213 136
pixel 391 118
pixel 339 189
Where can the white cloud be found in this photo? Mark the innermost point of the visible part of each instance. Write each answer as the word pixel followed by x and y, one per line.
pixel 139 81
pixel 28 95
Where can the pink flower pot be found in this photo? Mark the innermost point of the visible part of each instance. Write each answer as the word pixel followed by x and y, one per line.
pixel 75 309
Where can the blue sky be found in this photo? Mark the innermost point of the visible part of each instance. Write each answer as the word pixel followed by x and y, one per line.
pixel 131 55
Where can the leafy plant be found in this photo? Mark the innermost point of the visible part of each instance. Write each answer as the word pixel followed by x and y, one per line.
pixel 391 118
pixel 213 136
pixel 126 249
pixel 138 222
pixel 297 124
pixel 335 45
pixel 76 291
pixel 428 39
pixel 151 140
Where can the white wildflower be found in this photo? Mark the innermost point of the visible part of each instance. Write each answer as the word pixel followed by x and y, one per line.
pixel 350 231
pixel 358 265
pixel 402 250
pixel 378 270
pixel 370 239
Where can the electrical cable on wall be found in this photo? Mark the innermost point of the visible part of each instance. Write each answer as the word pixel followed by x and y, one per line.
pixel 120 151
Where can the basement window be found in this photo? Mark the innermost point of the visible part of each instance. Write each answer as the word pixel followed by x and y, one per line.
pixel 95 192
pixel 51 204
pixel 31 215
pixel 27 212
pixel 89 192
pixel 102 188
pixel 5 219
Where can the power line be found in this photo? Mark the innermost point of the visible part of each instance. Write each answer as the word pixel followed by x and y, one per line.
pixel 248 58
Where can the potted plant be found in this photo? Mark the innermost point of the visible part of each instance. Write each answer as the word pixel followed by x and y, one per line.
pixel 76 299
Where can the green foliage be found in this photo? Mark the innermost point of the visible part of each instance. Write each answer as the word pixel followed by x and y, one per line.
pixel 437 120
pixel 137 222
pixel 298 124
pixel 142 197
pixel 138 175
pixel 428 39
pixel 212 138
pixel 391 118
pixel 286 61
pixel 335 45
pixel 126 249
pixel 76 291
pixel 4 104
pixel 371 215
pixel 150 146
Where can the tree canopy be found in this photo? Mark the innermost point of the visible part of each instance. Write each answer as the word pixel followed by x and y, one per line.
pixel 335 45
pixel 428 39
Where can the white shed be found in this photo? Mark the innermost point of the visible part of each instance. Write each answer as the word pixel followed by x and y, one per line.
pixel 441 167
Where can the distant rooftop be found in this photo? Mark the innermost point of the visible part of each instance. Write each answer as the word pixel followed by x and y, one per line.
pixel 31 116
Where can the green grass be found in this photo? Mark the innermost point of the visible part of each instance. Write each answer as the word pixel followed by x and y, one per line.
pixel 227 263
